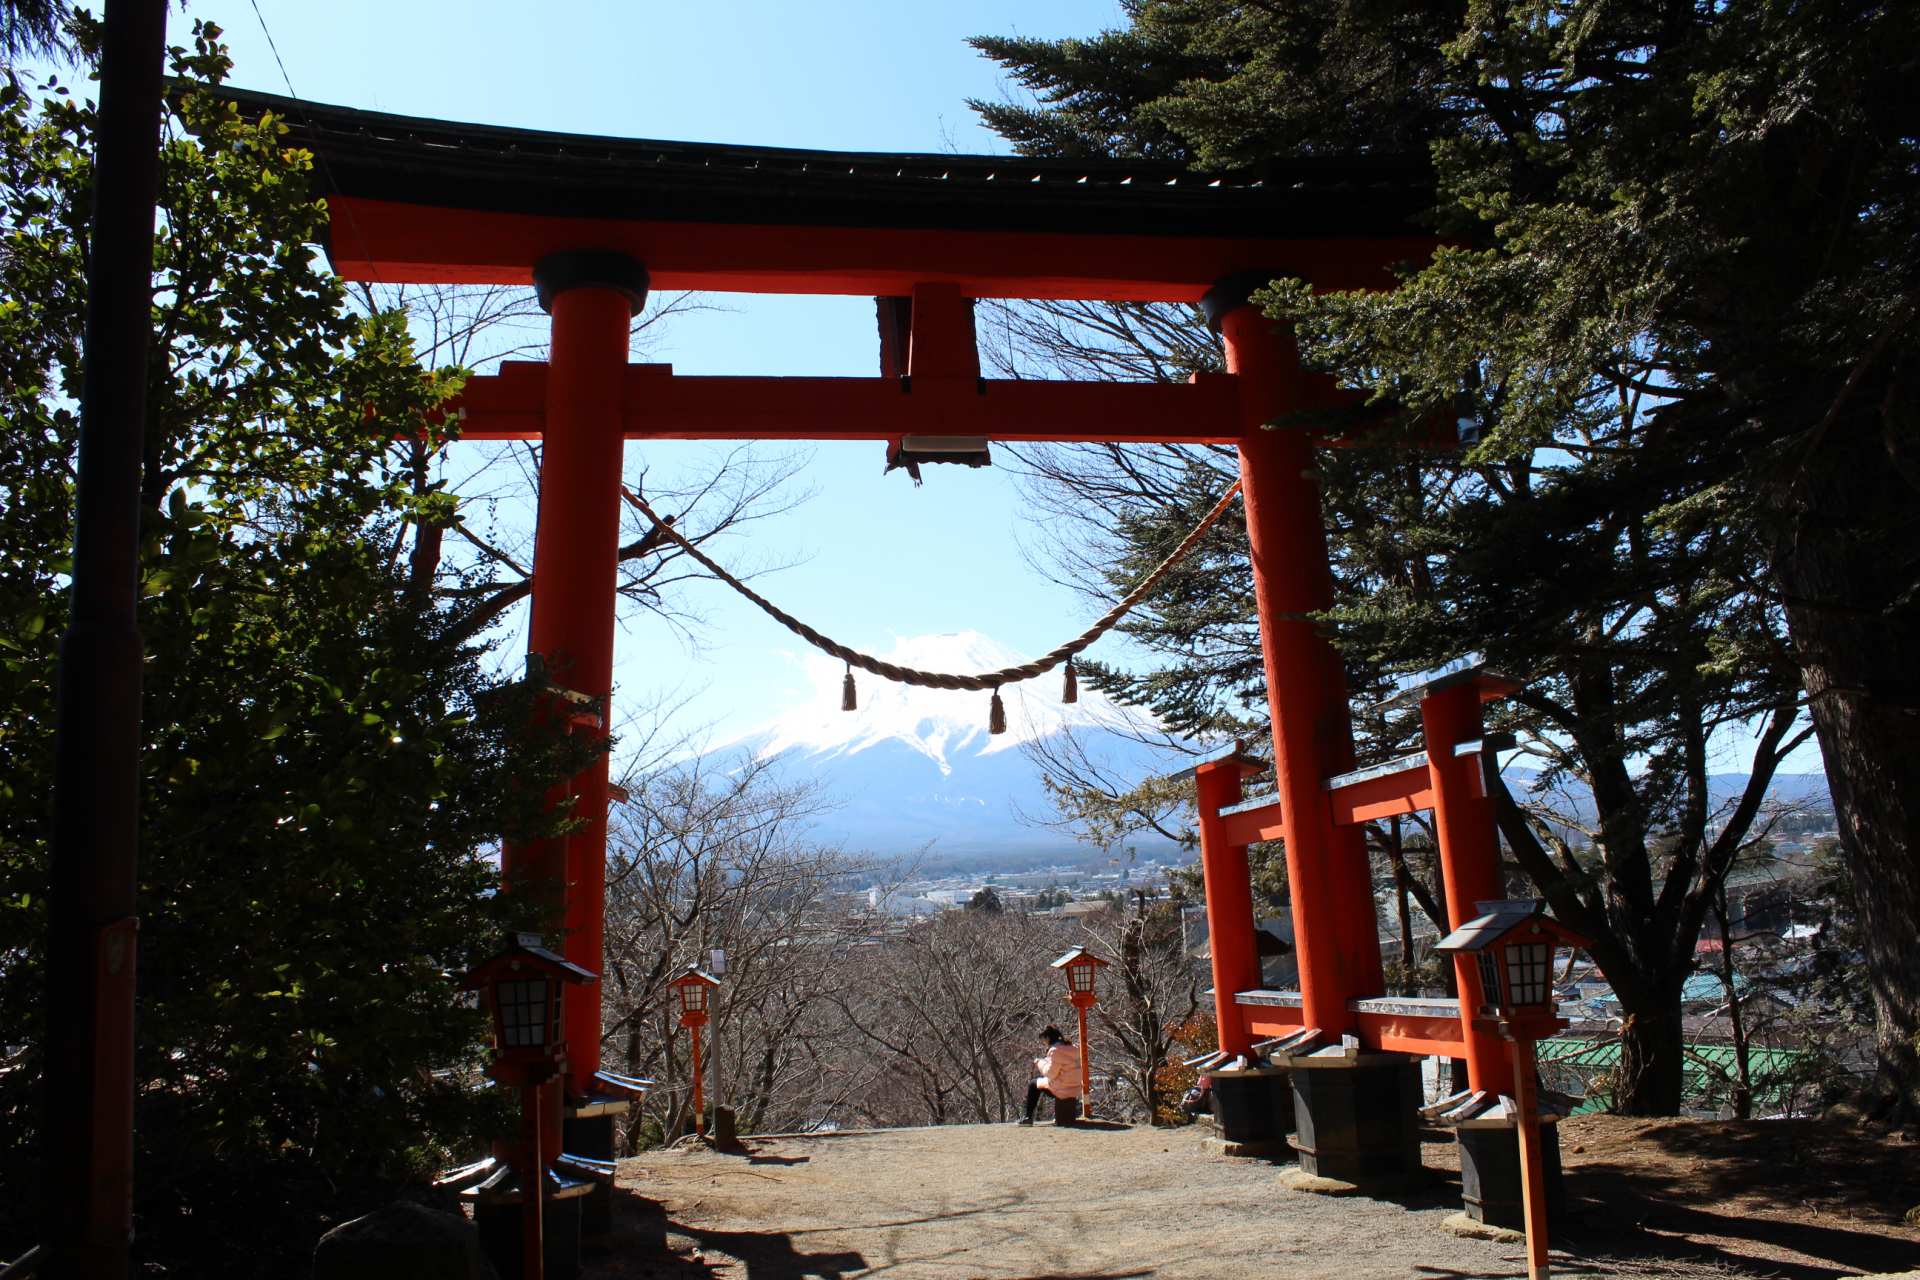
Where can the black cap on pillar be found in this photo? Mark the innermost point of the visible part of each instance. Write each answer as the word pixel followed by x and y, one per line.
pixel 556 273
pixel 1230 293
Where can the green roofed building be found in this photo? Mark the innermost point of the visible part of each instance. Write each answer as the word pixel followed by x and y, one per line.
pixel 1783 1080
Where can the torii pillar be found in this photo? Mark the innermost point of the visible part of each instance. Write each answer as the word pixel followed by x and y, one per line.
pixel 1356 1112
pixel 592 297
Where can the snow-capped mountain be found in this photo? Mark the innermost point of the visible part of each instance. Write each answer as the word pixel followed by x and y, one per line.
pixel 915 765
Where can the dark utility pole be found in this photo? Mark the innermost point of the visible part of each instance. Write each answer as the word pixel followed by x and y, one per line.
pixel 90 954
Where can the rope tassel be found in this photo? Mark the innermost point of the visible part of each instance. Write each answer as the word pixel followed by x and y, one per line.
pixel 997 715
pixel 1070 685
pixel 847 700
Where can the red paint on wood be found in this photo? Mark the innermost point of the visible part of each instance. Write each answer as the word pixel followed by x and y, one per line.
pixel 940 336
pixel 576 549
pixel 1411 1033
pixel 1251 826
pixel 699 1085
pixel 1086 1062
pixel 1229 889
pixel 1533 1174
pixel 1469 850
pixel 659 405
pixel 1408 791
pixel 1334 930
pixel 1377 1032
pixel 397 242
pixel 1266 1021
pixel 532 1164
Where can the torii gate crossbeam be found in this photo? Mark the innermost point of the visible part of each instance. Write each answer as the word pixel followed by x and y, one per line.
pixel 657 404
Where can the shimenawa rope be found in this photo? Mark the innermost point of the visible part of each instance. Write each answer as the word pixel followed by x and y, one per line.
pixel 941 680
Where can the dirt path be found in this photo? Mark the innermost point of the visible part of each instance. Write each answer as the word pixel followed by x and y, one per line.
pixel 1000 1201
pixel 976 1202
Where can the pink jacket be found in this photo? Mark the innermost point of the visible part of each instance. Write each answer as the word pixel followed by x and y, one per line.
pixel 1060 1071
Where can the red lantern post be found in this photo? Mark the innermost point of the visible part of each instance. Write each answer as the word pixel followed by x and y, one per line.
pixel 1081 966
pixel 692 988
pixel 522 988
pixel 1514 943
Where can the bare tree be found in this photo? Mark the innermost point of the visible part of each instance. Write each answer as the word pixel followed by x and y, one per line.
pixel 949 1013
pixel 486 498
pixel 1156 990
pixel 704 856
pixel 1102 805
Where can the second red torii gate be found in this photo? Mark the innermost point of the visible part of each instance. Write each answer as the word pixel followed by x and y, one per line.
pixel 1450 779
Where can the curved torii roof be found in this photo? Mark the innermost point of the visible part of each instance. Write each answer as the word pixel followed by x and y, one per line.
pixel 436 201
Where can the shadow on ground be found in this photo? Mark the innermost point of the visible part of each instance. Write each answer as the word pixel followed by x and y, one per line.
pixel 1711 1174
pixel 647 1243
pixel 1621 1228
pixel 1869 1175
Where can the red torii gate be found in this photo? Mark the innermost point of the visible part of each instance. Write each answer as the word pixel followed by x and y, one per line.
pixel 595 222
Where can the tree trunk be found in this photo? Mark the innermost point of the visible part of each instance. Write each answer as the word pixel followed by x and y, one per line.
pixel 1742 1064
pixel 1647 1081
pixel 1844 577
pixel 1409 983
pixel 1873 770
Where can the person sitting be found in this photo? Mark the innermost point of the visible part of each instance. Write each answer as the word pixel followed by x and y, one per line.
pixel 1059 1074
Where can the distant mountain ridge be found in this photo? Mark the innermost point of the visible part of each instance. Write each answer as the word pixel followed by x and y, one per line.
pixel 1723 790
pixel 914 766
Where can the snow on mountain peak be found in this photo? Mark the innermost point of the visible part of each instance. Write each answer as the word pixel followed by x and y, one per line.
pixel 938 723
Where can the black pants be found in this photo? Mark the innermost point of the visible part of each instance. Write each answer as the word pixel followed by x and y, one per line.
pixel 1033 1096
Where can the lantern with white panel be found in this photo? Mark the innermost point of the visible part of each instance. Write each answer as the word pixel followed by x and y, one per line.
pixel 522 989
pixel 693 989
pixel 1082 969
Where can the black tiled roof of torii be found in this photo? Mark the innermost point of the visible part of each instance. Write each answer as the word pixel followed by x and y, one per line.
pixel 493 168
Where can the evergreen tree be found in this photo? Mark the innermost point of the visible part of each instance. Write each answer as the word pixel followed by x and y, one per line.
pixel 324 767
pixel 1689 229
pixel 30 27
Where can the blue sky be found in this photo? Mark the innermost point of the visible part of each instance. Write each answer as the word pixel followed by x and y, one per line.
pixel 877 558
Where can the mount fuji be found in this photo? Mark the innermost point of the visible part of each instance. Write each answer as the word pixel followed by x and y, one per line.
pixel 913 766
